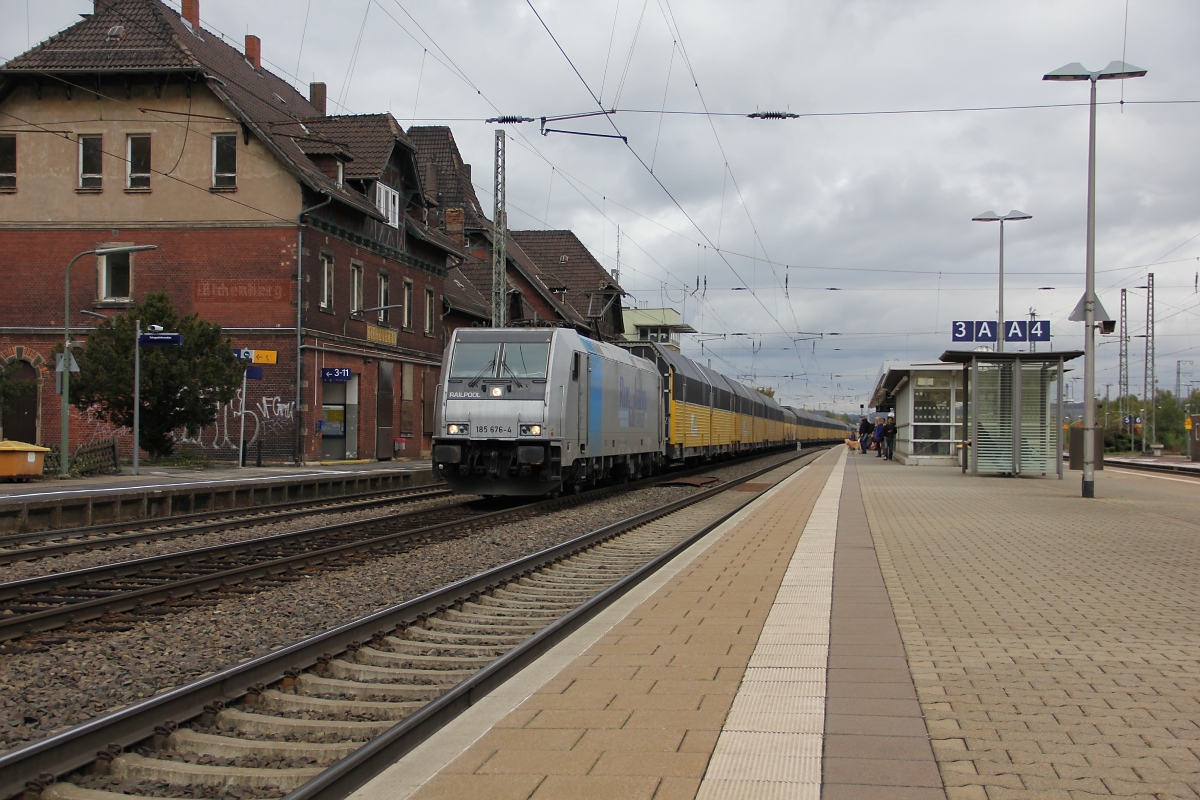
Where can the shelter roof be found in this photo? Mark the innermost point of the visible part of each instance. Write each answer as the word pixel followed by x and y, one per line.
pixel 967 356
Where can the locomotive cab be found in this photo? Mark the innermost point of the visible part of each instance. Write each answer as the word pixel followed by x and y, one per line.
pixel 492 422
pixel 523 411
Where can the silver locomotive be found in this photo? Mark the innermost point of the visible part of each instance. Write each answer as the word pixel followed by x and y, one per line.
pixel 534 411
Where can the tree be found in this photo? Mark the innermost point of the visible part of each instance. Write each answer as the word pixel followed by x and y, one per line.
pixel 767 390
pixel 181 386
pixel 1169 421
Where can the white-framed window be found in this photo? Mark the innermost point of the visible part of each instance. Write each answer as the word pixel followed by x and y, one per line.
pixel 116 277
pixel 91 161
pixel 137 161
pixel 326 296
pixel 224 161
pixel 8 162
pixel 384 295
pixel 356 287
pixel 408 305
pixel 387 200
pixel 430 310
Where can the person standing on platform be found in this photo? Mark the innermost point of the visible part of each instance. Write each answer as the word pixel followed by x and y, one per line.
pixel 889 436
pixel 877 437
pixel 864 433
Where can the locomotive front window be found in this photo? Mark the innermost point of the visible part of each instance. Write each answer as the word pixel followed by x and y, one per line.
pixel 525 360
pixel 474 359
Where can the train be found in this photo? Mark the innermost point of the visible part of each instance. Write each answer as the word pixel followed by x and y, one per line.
pixel 538 411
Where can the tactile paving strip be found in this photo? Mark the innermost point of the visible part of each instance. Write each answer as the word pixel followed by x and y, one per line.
pixel 771 744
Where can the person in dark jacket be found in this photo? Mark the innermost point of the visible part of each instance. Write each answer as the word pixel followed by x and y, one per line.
pixel 889 436
pixel 864 433
pixel 877 437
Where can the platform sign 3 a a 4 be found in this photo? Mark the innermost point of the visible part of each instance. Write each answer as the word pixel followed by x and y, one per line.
pixel 1016 330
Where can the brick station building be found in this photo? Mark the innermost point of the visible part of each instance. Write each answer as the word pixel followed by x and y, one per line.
pixel 288 227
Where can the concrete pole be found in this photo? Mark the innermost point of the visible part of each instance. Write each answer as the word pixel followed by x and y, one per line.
pixel 1089 313
pixel 1000 309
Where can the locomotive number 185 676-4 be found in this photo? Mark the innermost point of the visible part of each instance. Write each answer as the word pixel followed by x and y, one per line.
pixel 493 429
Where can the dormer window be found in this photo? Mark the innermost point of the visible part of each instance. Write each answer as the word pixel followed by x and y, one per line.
pixel 387 200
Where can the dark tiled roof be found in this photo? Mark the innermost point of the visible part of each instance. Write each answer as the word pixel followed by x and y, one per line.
pixel 479 273
pixel 437 149
pixel 370 138
pixel 156 39
pixel 560 257
pixel 146 42
pixel 462 295
pixel 434 237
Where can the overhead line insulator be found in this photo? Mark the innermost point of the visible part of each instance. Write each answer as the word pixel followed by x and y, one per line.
pixel 773 115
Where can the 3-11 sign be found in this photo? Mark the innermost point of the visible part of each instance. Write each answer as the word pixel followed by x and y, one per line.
pixel 984 330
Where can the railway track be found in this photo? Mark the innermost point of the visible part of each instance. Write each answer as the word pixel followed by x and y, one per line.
pixel 48 602
pixel 320 717
pixel 47 544
pixel 117 594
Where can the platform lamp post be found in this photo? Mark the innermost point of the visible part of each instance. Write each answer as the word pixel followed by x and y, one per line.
pixel 1116 70
pixel 66 358
pixel 992 216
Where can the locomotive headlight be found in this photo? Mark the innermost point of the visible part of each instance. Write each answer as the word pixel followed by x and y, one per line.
pixel 457 428
pixel 531 430
pixel 497 391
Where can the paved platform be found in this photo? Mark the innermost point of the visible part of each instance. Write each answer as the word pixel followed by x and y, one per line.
pixel 869 630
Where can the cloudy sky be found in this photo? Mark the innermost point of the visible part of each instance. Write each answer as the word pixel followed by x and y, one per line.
pixel 830 242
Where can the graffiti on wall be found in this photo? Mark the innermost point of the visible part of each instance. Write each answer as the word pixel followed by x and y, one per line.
pixel 97 429
pixel 269 417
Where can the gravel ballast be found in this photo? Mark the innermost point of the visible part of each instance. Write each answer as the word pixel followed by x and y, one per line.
pixel 79 676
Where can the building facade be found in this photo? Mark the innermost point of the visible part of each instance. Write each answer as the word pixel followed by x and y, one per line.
pixel 299 233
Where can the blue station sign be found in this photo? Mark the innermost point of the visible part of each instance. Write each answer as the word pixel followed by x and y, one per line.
pixel 1016 330
pixel 161 340
pixel 335 374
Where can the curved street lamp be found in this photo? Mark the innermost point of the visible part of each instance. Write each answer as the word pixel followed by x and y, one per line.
pixel 65 430
pixel 1116 70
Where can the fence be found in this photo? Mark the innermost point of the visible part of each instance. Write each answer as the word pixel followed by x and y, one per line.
pixel 89 459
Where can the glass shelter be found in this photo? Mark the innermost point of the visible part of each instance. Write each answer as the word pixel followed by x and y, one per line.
pixel 1013 411
pixel 927 401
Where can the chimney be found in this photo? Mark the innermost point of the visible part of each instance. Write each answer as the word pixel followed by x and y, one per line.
pixel 254 50
pixel 190 12
pixel 316 96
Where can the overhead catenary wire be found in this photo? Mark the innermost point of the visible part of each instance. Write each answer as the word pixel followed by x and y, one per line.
pixel 643 163
pixel 637 156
